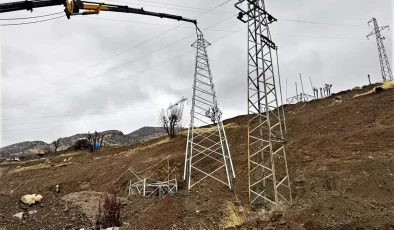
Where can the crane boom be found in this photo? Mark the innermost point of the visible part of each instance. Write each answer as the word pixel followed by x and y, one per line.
pixel 74 7
pixel 29 5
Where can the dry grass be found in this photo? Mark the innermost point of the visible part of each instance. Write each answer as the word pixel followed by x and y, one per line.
pixel 69 154
pixel 139 149
pixel 211 129
pixel 385 85
pixel 33 167
pixel 233 217
pixel 110 211
pixel 135 150
pixel 388 84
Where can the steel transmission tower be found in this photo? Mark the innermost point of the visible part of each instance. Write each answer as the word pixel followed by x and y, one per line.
pixel 384 61
pixel 269 183
pixel 207 151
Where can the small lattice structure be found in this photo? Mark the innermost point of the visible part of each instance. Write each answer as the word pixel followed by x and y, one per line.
pixel 153 188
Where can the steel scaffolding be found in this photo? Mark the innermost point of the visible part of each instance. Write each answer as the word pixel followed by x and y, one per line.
pixel 207 151
pixel 269 183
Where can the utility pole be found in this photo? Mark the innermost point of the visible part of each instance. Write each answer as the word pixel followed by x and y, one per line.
pixel 313 88
pixel 384 61
pixel 296 91
pixel 286 88
pixel 302 87
pixel 269 183
pixel 206 138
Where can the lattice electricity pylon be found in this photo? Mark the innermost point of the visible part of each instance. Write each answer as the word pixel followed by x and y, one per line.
pixel 207 151
pixel 178 103
pixel 384 61
pixel 269 183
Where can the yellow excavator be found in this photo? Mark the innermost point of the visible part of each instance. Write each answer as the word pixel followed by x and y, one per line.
pixel 78 7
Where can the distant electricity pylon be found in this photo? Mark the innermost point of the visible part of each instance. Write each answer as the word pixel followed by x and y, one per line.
pixel 384 61
pixel 178 103
pixel 269 183
pixel 207 151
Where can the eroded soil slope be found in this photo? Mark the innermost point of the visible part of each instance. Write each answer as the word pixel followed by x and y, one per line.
pixel 340 156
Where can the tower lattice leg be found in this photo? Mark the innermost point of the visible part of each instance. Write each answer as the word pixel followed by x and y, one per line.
pixel 269 183
pixel 207 151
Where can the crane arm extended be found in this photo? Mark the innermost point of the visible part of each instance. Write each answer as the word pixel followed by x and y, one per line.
pixel 74 7
pixel 29 5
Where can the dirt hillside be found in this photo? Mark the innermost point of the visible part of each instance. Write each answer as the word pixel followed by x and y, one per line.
pixel 340 155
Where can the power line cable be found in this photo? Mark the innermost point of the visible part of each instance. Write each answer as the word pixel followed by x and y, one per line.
pixel 190 7
pixel 71 115
pixel 122 79
pixel 154 24
pixel 232 13
pixel 69 120
pixel 222 30
pixel 40 16
pixel 323 23
pixel 126 78
pixel 166 7
pixel 117 67
pixel 307 36
pixel 46 127
pixel 107 58
pixel 25 23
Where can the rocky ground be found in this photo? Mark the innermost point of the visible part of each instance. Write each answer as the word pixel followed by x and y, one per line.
pixel 340 156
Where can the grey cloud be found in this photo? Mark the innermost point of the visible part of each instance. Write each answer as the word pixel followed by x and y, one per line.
pixel 62 47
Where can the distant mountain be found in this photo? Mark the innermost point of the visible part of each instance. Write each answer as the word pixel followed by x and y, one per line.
pixel 111 138
pixel 21 147
pixel 147 132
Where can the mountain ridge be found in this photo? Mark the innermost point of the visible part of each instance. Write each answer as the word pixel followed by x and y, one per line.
pixel 111 138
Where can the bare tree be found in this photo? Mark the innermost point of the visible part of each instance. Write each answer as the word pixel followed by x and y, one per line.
pixel 56 144
pixel 101 141
pixel 170 120
pixel 90 140
pixel 213 113
pixel 94 140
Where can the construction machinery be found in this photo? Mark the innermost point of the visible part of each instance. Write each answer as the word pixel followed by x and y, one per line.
pixel 77 7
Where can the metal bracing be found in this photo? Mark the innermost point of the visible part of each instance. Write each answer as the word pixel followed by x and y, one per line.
pixel 153 188
pixel 384 61
pixel 269 183
pixel 148 187
pixel 207 151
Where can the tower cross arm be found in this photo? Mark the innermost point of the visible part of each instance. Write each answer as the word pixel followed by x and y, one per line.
pixel 379 29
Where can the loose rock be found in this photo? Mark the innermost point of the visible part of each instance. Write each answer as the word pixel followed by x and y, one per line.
pixel 31 198
pixel 19 215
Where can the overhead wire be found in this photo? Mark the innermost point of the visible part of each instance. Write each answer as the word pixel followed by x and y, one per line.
pixel 323 23
pixel 146 70
pixel 284 35
pixel 71 115
pixel 25 18
pixel 222 30
pixel 25 23
pixel 190 7
pixel 232 13
pixel 46 127
pixel 166 7
pixel 73 120
pixel 94 65
pixel 119 66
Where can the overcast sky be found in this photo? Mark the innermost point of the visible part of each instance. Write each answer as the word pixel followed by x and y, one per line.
pixel 88 99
